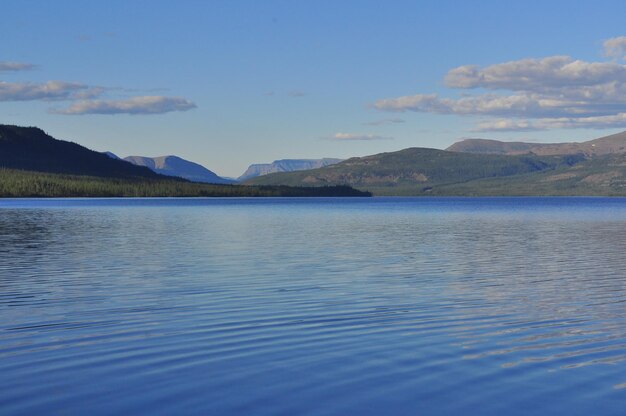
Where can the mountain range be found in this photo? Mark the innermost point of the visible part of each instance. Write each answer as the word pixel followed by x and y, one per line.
pixel 34 164
pixel 176 166
pixel 470 167
pixel 285 165
pixel 30 148
pixel 479 167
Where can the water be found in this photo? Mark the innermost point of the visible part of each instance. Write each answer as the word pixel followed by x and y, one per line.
pixel 313 306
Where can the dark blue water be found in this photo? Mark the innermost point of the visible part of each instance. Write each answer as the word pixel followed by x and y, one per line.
pixel 313 306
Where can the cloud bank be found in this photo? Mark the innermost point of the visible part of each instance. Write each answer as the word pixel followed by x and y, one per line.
pixel 134 106
pixel 532 94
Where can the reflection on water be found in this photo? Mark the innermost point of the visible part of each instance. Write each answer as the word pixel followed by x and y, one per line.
pixel 320 306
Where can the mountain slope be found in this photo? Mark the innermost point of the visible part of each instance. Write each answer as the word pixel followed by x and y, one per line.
pixel 286 165
pixel 30 148
pixel 612 144
pixel 176 166
pixel 599 176
pixel 34 164
pixel 414 171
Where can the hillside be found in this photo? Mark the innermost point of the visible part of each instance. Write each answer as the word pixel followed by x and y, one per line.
pixel 599 176
pixel 30 148
pixel 612 144
pixel 416 171
pixel 285 165
pixel 34 164
pixel 176 166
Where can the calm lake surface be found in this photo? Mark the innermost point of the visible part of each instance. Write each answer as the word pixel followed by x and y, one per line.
pixel 372 306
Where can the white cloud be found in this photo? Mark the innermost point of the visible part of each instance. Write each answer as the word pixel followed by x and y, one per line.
pixel 134 105
pixel 88 93
pixel 598 122
pixel 615 47
pixel 51 90
pixel 611 121
pixel 518 105
pixel 505 125
pixel 384 122
pixel 552 73
pixel 83 97
pixel 356 137
pixel 557 91
pixel 6 66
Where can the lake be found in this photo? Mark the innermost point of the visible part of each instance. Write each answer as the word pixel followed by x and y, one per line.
pixel 335 306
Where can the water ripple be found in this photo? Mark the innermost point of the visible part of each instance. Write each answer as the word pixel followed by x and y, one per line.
pixel 325 307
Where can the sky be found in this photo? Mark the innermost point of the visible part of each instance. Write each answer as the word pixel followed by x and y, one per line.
pixel 230 83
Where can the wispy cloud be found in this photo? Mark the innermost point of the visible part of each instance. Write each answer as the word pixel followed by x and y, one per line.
pixel 531 94
pixel 51 90
pixel 615 47
pixel 88 37
pixel 6 66
pixel 599 122
pixel 384 122
pixel 297 94
pixel 83 97
pixel 357 137
pixel 553 73
pixel 505 125
pixel 517 105
pixel 134 106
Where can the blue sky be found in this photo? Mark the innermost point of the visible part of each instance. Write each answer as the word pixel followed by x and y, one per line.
pixel 230 83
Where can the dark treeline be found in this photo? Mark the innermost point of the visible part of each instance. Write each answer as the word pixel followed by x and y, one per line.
pixel 22 184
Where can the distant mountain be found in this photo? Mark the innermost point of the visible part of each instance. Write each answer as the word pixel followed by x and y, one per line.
pixel 176 166
pixel 416 171
pixel 30 148
pixel 612 144
pixel 286 165
pixel 112 155
pixel 34 164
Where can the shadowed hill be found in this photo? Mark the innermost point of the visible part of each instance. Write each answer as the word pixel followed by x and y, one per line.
pixel 30 148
